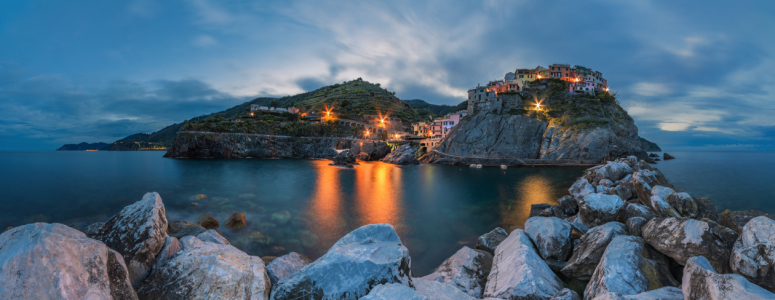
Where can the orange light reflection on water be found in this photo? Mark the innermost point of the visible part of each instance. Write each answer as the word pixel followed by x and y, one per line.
pixel 326 209
pixel 378 188
pixel 534 189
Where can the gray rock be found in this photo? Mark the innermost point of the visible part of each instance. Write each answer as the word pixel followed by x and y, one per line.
pixel 587 254
pixel 466 270
pixel 635 226
pixel 551 236
pixel 489 241
pixel 138 233
pixel 606 183
pixel 681 239
pixel 566 206
pixel 736 220
pixel 700 281
pixel 439 291
pixel 344 158
pixel 623 191
pixel 684 204
pixel 403 155
pixel 598 209
pixel 629 266
pixel 236 221
pixel 390 291
pixel 665 293
pixel 566 294
pixel 753 255
pixel 645 180
pixel 537 209
pixel 495 136
pixel 54 261
pixel 205 270
pixel 658 202
pixel 611 171
pixel 555 264
pixel 519 273
pixel 603 190
pixel 179 229
pixel 94 229
pixel 213 236
pixel 356 263
pixel 286 265
pixel 706 209
pixel 667 156
pixel 207 221
pixel 581 188
pixel 639 210
pixel 171 247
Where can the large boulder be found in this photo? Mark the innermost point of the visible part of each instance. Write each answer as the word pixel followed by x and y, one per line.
pixel 54 261
pixel 440 291
pixel 540 209
pixel 551 236
pixel 566 294
pixel 344 158
pixel 362 259
pixel 179 229
pixel 286 265
pixel 658 201
pixel 681 239
pixel 489 241
pixel 403 155
pixel 588 252
pixel 171 247
pixel 706 209
pixel 700 281
pixel 581 188
pixel 639 210
pixel 613 171
pixel 138 233
pixel 635 226
pixel 566 206
pixel 645 180
pixel 665 293
pixel 684 204
pixel 466 270
pixel 213 236
pixel 623 191
pixel 753 255
pixel 629 266
pixel 518 272
pixel 736 220
pixel 598 209
pixel 389 291
pixel 206 270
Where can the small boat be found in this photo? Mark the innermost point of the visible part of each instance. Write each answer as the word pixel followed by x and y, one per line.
pixel 472 166
pixel 479 166
pixel 504 167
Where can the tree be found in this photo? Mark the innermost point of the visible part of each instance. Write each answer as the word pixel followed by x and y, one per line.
pixel 273 104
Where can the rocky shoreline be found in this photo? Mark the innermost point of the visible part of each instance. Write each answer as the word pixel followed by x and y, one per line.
pixel 623 232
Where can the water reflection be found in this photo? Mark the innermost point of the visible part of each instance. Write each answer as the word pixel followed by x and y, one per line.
pixel 533 189
pixel 378 187
pixel 326 204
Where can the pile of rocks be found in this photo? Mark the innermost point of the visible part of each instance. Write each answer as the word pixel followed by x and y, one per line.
pixel 623 233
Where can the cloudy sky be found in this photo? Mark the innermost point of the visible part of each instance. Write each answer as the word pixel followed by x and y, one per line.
pixel 694 76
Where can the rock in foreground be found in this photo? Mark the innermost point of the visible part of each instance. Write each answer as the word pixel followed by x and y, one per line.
pixel 489 241
pixel 753 255
pixel 362 259
pixel 587 254
pixel 519 273
pixel 54 261
pixel 205 270
pixel 466 270
pixel 681 239
pixel 598 209
pixel 735 220
pixel 440 291
pixel 391 291
pixel 551 236
pixel 286 265
pixel 700 281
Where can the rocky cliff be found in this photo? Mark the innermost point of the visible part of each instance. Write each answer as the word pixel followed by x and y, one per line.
pixel 226 145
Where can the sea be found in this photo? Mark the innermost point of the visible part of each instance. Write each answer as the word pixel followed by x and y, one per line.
pixel 306 205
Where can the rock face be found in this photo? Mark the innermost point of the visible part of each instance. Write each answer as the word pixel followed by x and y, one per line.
pixel 753 255
pixel 598 209
pixel 638 210
pixel 587 253
pixel 668 156
pixel 635 226
pixel 205 270
pixel 207 221
pixel 551 236
pixel 618 139
pixel 359 261
pixel 225 145
pixel 489 241
pixel 706 209
pixel 403 155
pixel 736 220
pixel 439 291
pixel 681 239
pixel 54 261
pixel 495 136
pixel 171 247
pixel 286 265
pixel 519 273
pixel 466 270
pixel 365 149
pixel 700 281
pixel 344 158
pixel 629 266
pixel 391 291
pixel 180 229
pixel 645 180
pixel 138 233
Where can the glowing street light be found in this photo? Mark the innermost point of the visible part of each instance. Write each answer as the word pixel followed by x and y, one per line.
pixel 538 106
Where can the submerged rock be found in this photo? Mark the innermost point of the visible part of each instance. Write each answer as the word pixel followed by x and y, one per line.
pixel 138 233
pixel 519 273
pixel 466 270
pixel 286 265
pixel 403 155
pixel 489 241
pixel 667 156
pixel 551 236
pixel 681 239
pixel 439 291
pixel 205 270
pixel 598 209
pixel 179 229
pixel 390 291
pixel 753 255
pixel 207 221
pixel 629 266
pixel 281 217
pixel 356 263
pixel 736 220
pixel 587 254
pixel 54 261
pixel 236 221
pixel 700 281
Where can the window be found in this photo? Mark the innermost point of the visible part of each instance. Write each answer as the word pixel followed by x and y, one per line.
pixel 451 122
pixel 521 76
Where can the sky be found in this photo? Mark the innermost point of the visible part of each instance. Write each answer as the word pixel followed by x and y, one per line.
pixel 695 76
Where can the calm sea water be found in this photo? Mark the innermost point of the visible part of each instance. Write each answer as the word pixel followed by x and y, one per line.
pixel 435 209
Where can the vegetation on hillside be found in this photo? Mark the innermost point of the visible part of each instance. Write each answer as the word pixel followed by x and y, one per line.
pixel 273 124
pixel 427 111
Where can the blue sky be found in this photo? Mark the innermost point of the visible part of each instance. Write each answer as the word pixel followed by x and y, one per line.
pixel 694 75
